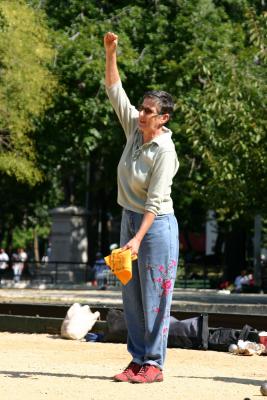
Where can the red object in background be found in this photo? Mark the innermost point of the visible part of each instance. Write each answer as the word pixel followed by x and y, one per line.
pixel 197 242
pixel 224 285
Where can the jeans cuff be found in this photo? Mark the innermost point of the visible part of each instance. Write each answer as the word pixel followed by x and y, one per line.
pixel 155 364
pixel 137 361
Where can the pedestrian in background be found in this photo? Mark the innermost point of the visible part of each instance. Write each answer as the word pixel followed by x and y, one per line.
pixel 3 262
pixel 18 263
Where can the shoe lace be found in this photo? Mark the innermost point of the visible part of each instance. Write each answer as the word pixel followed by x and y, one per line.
pixel 143 369
pixel 131 366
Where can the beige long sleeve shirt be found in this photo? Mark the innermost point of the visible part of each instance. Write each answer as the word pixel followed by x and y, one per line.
pixel 145 170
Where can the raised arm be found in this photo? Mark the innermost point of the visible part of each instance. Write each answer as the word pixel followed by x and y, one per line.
pixel 127 114
pixel 112 72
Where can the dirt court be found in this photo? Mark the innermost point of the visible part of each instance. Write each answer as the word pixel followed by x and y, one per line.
pixel 41 366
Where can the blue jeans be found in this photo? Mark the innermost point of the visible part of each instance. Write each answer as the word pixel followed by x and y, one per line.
pixel 147 297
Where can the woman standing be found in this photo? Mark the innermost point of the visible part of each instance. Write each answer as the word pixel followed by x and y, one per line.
pixel 149 227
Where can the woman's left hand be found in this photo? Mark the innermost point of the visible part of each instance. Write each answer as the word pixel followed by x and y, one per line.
pixel 133 245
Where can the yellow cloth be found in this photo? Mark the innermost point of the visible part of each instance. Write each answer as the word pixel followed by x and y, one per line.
pixel 120 263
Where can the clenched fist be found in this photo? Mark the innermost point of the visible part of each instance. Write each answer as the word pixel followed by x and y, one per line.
pixel 110 42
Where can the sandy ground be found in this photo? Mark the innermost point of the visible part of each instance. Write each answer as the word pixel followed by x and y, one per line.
pixel 48 367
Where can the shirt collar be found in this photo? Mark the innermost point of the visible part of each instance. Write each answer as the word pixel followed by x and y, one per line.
pixel 158 139
pixel 163 137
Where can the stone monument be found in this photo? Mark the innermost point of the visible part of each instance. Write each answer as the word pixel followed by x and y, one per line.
pixel 69 243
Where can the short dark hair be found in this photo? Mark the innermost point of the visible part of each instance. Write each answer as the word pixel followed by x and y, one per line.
pixel 163 99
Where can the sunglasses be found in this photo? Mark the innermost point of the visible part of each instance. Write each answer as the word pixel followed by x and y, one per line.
pixel 147 110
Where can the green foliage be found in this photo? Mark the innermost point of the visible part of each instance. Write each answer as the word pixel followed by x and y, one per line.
pixel 26 86
pixel 223 110
pixel 210 54
pixel 23 237
pixel 25 208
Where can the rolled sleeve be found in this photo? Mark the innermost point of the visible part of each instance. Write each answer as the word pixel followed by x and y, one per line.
pixel 159 189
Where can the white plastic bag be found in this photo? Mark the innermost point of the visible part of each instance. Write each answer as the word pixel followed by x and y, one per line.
pixel 248 348
pixel 78 322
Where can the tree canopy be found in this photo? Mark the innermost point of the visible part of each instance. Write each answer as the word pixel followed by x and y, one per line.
pixel 209 54
pixel 26 86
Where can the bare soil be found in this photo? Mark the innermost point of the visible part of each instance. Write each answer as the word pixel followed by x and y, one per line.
pixel 47 367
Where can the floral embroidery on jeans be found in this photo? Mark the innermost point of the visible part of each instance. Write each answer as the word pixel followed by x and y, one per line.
pixel 161 268
pixel 165 330
pixel 167 287
pixel 166 322
pixel 166 278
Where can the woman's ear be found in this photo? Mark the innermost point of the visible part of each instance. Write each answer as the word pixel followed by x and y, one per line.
pixel 165 118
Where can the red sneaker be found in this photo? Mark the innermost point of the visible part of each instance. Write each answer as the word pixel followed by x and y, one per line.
pixel 128 373
pixel 148 374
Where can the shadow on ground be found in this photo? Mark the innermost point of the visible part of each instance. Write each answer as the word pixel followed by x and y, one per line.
pixel 226 379
pixel 30 374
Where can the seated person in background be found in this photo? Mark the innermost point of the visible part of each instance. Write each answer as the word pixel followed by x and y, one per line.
pixel 100 268
pixel 251 280
pixel 242 279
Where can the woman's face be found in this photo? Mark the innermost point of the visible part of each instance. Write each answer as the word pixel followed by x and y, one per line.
pixel 149 118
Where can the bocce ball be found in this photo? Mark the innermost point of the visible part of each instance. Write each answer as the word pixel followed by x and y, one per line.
pixel 233 348
pixel 264 389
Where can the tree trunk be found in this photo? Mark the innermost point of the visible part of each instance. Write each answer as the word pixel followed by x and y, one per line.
pixel 235 251
pixel 9 240
pixel 36 248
